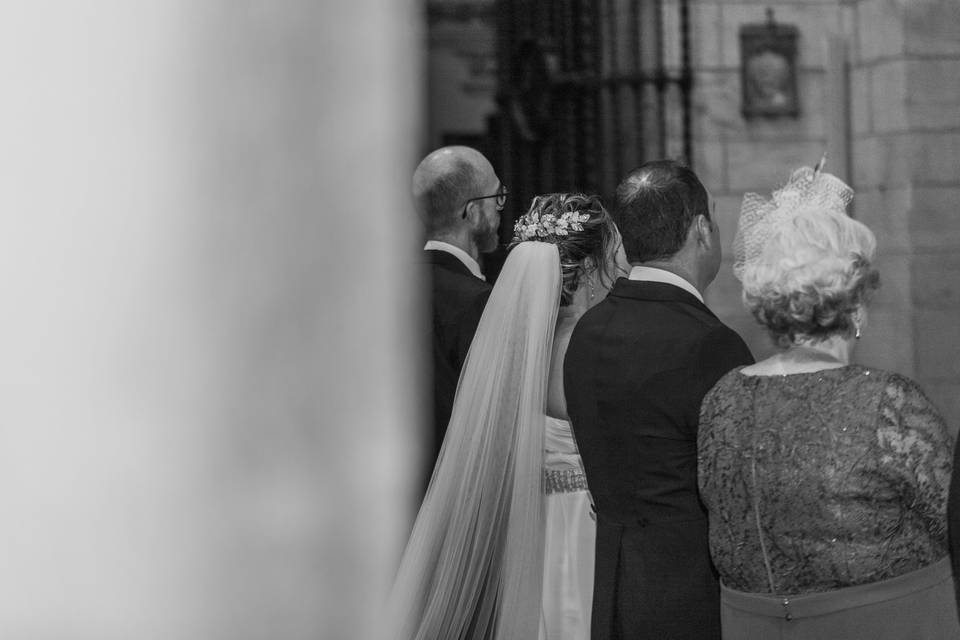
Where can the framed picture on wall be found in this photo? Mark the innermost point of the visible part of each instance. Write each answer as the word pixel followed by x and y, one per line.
pixel 768 69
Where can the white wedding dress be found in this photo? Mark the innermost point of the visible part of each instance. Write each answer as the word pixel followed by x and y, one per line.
pixel 568 540
pixel 502 547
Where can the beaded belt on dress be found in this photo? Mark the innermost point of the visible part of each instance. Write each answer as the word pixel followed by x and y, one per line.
pixel 564 481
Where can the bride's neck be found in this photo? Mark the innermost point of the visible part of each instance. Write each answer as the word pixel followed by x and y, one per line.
pixel 569 314
pixel 586 295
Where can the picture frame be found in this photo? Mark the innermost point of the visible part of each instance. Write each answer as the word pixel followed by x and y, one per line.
pixel 768 69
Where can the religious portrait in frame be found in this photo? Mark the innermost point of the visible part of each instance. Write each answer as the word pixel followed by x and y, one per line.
pixel 768 69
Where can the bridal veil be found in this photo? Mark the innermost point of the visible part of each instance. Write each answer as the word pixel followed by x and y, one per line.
pixel 473 567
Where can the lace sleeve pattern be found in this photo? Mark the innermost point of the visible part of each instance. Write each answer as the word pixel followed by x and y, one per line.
pixel 914 440
pixel 823 480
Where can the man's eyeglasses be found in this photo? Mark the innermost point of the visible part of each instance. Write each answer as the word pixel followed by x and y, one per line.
pixel 500 195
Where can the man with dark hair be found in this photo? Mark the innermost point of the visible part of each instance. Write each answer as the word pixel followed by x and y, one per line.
pixel 459 198
pixel 638 366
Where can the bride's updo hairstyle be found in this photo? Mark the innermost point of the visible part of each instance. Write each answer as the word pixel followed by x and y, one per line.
pixel 581 229
pixel 805 265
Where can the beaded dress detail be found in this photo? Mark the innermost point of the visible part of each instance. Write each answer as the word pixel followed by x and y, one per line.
pixel 569 540
pixel 824 480
pixel 562 467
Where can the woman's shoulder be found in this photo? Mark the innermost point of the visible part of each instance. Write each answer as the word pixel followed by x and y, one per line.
pixel 869 384
pixel 903 395
pixel 855 385
pixel 893 386
pixel 899 401
pixel 896 383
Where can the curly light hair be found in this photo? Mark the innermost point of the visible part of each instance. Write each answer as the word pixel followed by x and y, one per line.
pixel 584 247
pixel 815 272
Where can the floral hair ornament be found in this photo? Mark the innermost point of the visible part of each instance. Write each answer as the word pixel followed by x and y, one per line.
pixel 554 216
pixel 759 218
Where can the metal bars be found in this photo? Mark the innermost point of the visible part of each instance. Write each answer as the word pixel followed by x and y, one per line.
pixel 611 84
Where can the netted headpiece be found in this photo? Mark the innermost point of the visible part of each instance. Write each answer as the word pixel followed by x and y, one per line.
pixel 759 217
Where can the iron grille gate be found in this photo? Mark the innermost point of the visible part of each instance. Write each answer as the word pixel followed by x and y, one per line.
pixel 589 89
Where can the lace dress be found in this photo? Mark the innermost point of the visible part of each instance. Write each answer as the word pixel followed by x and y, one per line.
pixel 821 481
pixel 569 539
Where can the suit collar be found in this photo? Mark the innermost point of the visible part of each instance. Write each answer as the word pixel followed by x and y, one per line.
pixel 655 291
pixel 654 274
pixel 447 261
pixel 472 265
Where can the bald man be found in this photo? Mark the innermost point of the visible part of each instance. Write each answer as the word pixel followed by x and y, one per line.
pixel 459 198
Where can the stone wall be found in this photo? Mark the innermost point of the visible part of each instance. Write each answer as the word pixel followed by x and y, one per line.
pixel 906 153
pixel 879 89
pixel 891 121
pixel 734 155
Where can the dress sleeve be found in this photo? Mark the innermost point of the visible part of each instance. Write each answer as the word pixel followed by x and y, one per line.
pixel 915 436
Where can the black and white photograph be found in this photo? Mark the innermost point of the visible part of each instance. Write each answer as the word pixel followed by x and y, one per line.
pixel 480 320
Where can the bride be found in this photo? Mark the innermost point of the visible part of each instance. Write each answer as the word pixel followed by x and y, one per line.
pixel 503 545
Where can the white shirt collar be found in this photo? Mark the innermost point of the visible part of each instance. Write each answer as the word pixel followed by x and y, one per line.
pixel 652 274
pixel 457 252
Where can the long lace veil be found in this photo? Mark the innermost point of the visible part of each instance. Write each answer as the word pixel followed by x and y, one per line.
pixel 473 567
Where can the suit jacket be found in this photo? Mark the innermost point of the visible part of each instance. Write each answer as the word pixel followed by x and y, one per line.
pixel 457 299
pixel 637 368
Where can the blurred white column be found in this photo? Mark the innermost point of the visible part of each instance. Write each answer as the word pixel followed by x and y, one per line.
pixel 206 419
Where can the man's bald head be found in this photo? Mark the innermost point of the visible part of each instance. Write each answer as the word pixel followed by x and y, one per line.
pixel 445 179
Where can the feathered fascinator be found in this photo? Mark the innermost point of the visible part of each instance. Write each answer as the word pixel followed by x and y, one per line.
pixel 759 217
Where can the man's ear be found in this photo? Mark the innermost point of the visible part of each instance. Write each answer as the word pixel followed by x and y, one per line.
pixel 702 228
pixel 469 211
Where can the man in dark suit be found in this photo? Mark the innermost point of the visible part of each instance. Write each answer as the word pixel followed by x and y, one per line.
pixel 638 366
pixel 459 197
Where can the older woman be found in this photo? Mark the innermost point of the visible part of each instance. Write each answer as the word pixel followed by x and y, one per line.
pixel 825 482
